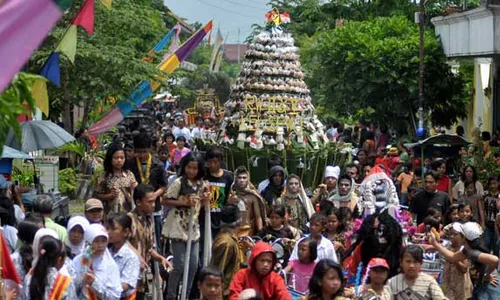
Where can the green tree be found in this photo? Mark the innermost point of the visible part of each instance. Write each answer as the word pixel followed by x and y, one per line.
pixel 107 64
pixel 371 68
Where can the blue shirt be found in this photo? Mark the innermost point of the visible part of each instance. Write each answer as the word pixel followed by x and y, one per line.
pixel 128 265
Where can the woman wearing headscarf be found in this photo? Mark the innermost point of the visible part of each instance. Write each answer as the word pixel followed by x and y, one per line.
pixel 346 196
pixel 97 275
pixel 96 272
pixel 75 242
pixel 296 199
pixel 328 188
pixel 274 190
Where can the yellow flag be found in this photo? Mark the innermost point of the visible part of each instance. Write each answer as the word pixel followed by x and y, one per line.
pixel 107 3
pixel 68 44
pixel 39 93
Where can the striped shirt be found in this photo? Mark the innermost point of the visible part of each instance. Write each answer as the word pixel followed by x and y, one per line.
pixel 425 287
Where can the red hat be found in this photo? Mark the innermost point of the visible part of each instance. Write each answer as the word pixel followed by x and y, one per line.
pixel 396 160
pixel 378 262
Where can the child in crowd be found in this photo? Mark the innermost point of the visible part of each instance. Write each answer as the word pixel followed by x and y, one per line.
pixel 180 151
pixel 296 232
pixel 335 229
pixel 374 287
pixel 456 279
pixel 299 271
pixel 452 216
pixel 76 230
pixel 474 200
pixel 412 283
pixel 317 225
pixel 260 276
pixel 45 280
pixel 119 227
pixel 346 217
pixel 327 282
pixel 23 256
pixel 184 196
pixel 491 201
pixel 465 213
pixel 434 219
pixel 277 224
pixel 210 283
pixel 98 276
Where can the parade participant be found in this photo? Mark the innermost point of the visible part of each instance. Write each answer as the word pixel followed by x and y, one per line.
pixel 185 196
pixel 346 196
pixel 249 201
pixel 227 255
pixel 296 198
pixel 299 271
pixel 210 283
pixel 23 256
pixel 116 185
pixel 362 158
pixel 44 205
pixel 143 233
pixel 96 271
pixel 75 243
pixel 169 141
pixel 483 270
pixel 94 211
pixel 8 222
pixel 353 171
pixel 404 180
pixel 374 286
pixel 164 157
pixel 149 170
pixel 219 181
pixel 277 226
pixel 327 189
pixel 260 276
pixel 273 161
pixel 430 197
pixel 378 192
pixel 119 228
pixel 180 151
pixel 369 144
pixel 335 229
pixel 45 282
pixel 7 197
pixel 475 201
pixel 412 283
pixel 444 182
pixel 380 235
pixel 327 282
pixel 181 130
pixel 491 204
pixel 197 132
pixel 129 152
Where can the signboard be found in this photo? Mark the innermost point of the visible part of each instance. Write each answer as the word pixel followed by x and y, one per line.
pixel 48 170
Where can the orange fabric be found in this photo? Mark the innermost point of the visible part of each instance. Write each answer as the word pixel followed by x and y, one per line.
pixel 8 268
pixel 131 297
pixel 60 285
pixel 351 263
pixel 270 286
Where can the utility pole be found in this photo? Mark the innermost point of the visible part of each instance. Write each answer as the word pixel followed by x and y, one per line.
pixel 238 46
pixel 421 20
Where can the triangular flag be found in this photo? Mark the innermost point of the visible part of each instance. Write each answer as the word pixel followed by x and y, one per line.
pixel 51 69
pixel 68 44
pixel 107 3
pixel 85 17
pixel 39 92
pixel 8 268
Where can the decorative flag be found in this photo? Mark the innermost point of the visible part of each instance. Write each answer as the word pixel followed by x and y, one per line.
pixel 175 41
pixel 218 61
pixel 39 92
pixel 145 89
pixel 8 268
pixel 51 69
pixel 23 26
pixel 159 46
pixel 218 43
pixel 67 45
pixel 107 3
pixel 85 17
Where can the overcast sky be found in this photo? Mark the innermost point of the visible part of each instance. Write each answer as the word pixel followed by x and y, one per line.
pixel 229 15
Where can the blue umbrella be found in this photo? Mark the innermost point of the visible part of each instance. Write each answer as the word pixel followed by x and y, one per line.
pixel 9 152
pixel 39 135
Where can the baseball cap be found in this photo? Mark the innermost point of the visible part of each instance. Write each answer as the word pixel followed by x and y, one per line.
pixel 4 183
pixel 93 203
pixel 378 262
pixel 470 230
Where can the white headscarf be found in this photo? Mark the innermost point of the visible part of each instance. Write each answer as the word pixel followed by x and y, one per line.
pixel 103 267
pixel 42 232
pixel 74 221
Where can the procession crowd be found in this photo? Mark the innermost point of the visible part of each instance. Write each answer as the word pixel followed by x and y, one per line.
pixel 369 231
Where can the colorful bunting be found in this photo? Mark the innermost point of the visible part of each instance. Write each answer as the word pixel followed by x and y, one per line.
pixel 39 92
pixel 218 43
pixel 85 17
pixel 145 89
pixel 67 45
pixel 23 26
pixel 51 70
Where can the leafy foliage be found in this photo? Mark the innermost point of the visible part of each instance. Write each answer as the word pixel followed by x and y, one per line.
pixel 372 67
pixel 68 179
pixel 12 104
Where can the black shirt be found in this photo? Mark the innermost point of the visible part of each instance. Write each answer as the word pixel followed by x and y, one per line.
pixel 421 202
pixel 158 176
pixel 220 187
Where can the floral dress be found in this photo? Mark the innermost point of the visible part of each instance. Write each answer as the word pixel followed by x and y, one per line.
pixel 123 183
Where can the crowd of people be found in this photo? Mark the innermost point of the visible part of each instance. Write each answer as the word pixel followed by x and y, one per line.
pixel 380 227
